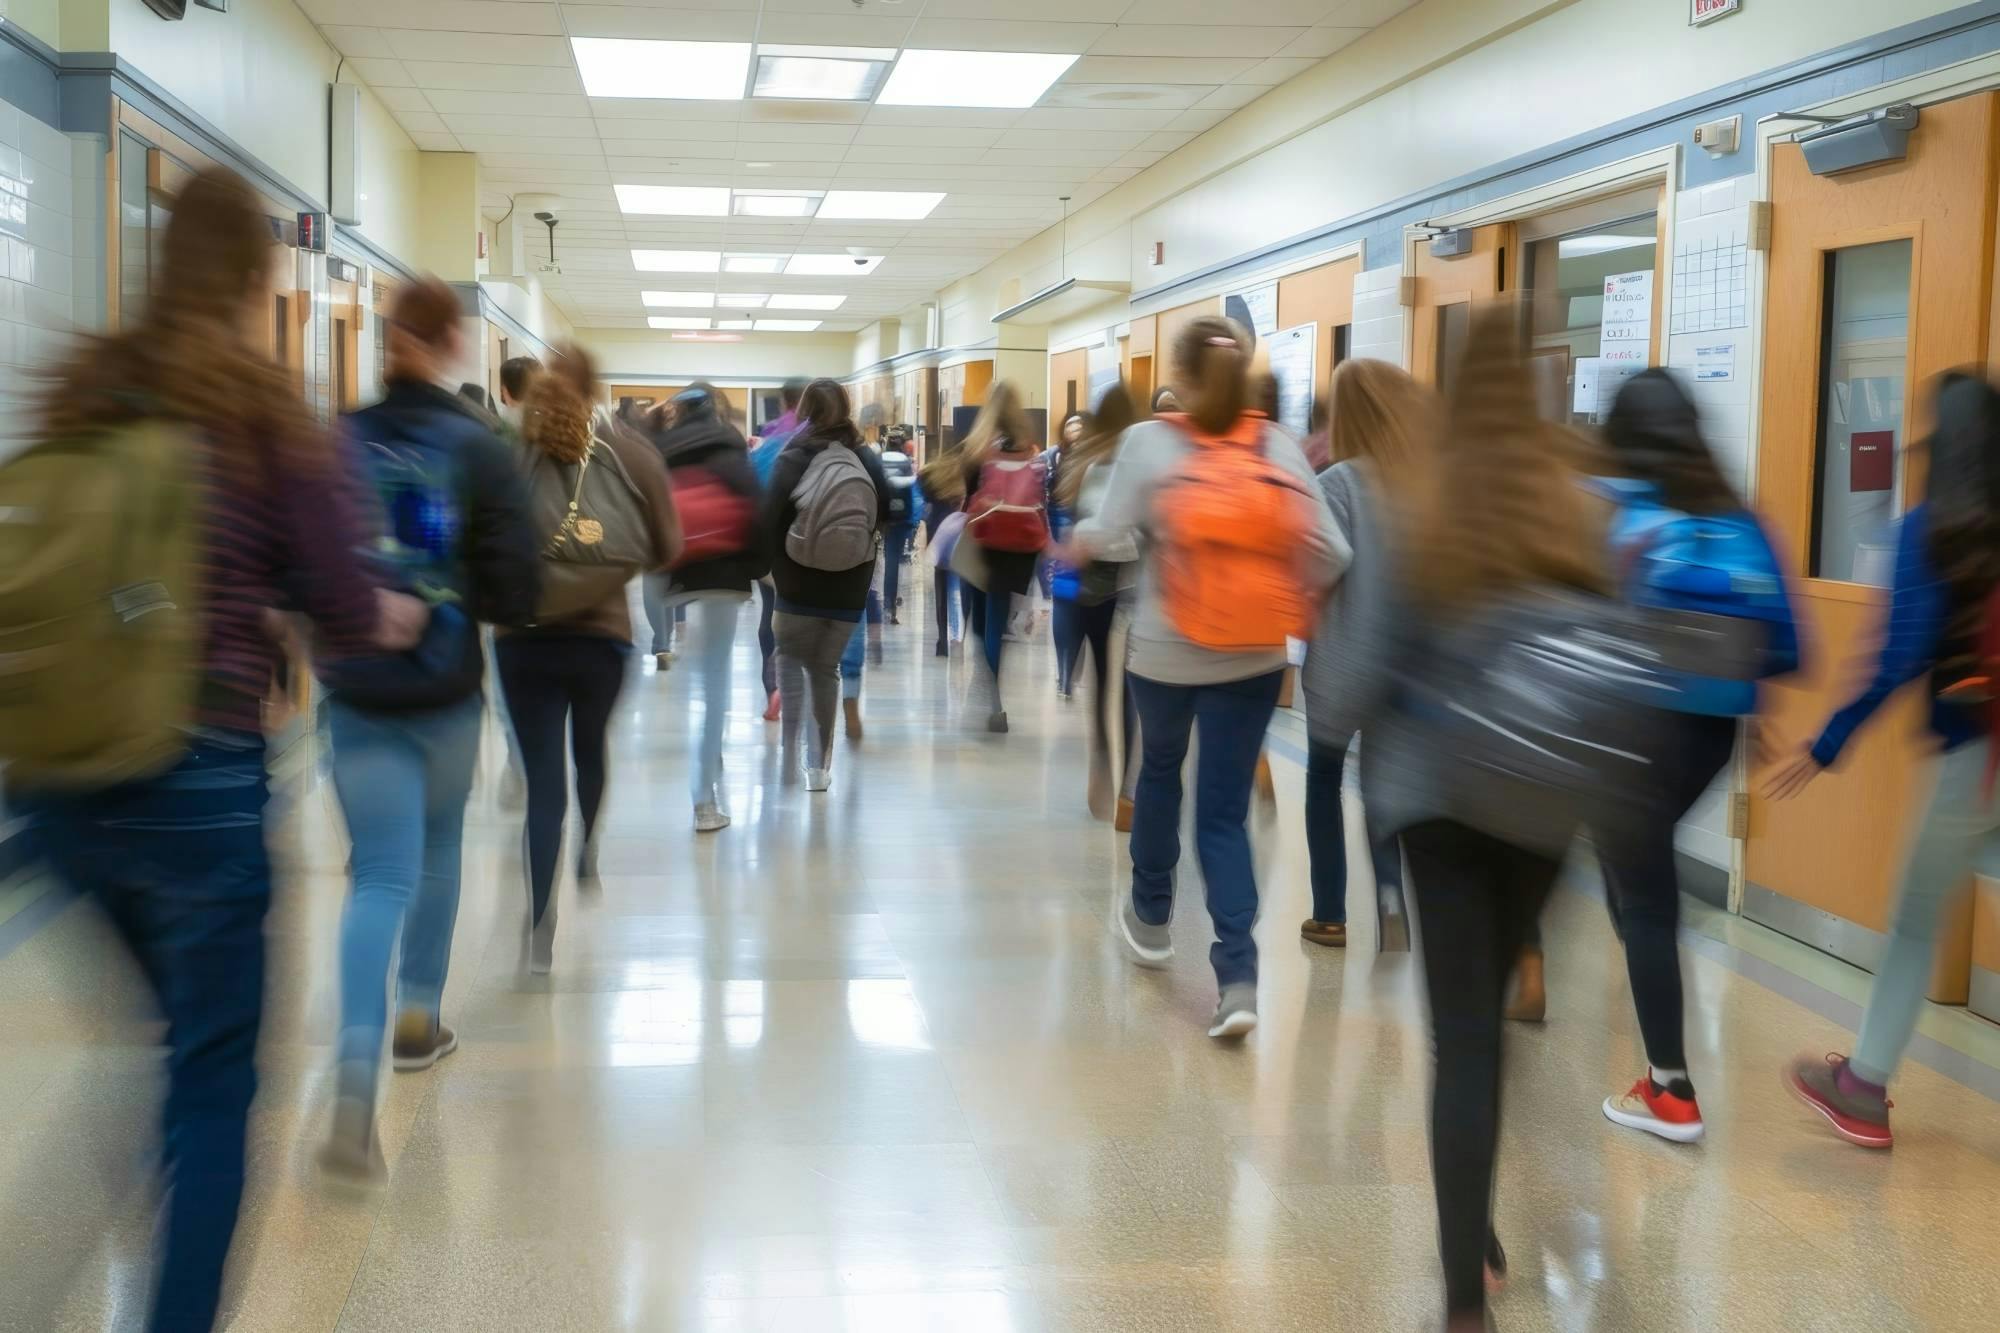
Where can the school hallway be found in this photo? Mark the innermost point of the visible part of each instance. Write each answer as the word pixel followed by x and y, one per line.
pixel 875 1060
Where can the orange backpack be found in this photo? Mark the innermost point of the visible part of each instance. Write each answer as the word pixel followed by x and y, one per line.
pixel 1232 528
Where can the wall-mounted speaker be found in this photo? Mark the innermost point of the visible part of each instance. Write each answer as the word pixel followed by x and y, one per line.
pixel 343 128
pixel 168 9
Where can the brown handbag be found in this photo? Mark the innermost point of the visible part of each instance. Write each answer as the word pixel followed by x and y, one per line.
pixel 599 537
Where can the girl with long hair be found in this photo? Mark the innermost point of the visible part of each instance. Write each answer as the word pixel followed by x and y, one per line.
pixel 178 860
pixel 1180 684
pixel 942 481
pixel 563 677
pixel 1947 571
pixel 1383 428
pixel 1002 436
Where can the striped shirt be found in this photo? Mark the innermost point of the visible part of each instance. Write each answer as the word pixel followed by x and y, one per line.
pixel 276 541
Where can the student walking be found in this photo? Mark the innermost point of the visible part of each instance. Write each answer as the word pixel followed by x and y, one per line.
pixel 1940 626
pixel 564 672
pixel 823 515
pixel 405 731
pixel 1007 520
pixel 943 483
pixel 1237 546
pixel 717 496
pixel 763 460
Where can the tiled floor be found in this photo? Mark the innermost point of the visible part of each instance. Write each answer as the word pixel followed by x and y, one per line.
pixel 871 1061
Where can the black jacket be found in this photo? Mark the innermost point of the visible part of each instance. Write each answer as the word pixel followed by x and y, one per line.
pixel 803 590
pixel 712 444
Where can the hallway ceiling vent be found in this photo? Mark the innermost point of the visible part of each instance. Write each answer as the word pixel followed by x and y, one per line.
pixel 1860 141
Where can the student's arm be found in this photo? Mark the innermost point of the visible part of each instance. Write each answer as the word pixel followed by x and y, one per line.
pixel 503 550
pixel 1910 635
pixel 649 473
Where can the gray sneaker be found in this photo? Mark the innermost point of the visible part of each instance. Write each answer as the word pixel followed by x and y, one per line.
pixel 542 942
pixel 351 1158
pixel 1151 946
pixel 1236 1012
pixel 708 817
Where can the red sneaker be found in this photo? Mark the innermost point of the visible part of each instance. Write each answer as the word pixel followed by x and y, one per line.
pixel 1657 1110
pixel 771 708
pixel 1857 1111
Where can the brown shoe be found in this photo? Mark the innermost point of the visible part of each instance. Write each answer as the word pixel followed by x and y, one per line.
pixel 421 1041
pixel 1531 997
pixel 1122 820
pixel 1333 934
pixel 852 707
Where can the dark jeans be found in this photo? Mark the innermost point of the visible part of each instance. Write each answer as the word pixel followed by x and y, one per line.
pixel 895 550
pixel 1066 628
pixel 987 616
pixel 1644 892
pixel 552 681
pixel 767 642
pixel 1475 898
pixel 1232 718
pixel 178 864
pixel 1326 836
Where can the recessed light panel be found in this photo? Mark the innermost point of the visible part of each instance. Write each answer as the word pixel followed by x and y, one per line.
pixel 677 321
pixel 677 261
pixel 735 324
pixel 697 71
pixel 783 302
pixel 972 78
pixel 679 300
pixel 828 266
pixel 787 325
pixel 687 201
pixel 774 204
pixel 888 205
pixel 742 300
pixel 817 78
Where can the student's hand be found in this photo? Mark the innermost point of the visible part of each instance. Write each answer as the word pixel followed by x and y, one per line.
pixel 1792 776
pixel 400 620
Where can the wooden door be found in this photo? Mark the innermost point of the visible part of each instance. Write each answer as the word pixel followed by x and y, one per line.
pixel 1823 866
pixel 1445 292
pixel 1069 385
pixel 1323 297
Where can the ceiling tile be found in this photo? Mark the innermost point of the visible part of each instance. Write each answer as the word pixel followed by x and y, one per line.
pixel 404 99
pixel 480 48
pixel 783 111
pixel 545 127
pixel 926 136
pixel 954 117
pixel 436 143
pixel 1198 119
pixel 465 16
pixel 1136 39
pixel 840 26
pixel 382 73
pixel 1127 96
pixel 1054 11
pixel 1166 141
pixel 423 122
pixel 1233 97
pixel 666 110
pixel 988 35
pixel 1319 43
pixel 1269 13
pixel 1117 140
pixel 680 25
pixel 1114 175
pixel 1139 158
pixel 550 147
pixel 756 132
pixel 472 103
pixel 1161 69
pixel 1364 13
pixel 1271 73
pixel 366 42
pixel 495 78
pixel 1082 118
pixel 1091 158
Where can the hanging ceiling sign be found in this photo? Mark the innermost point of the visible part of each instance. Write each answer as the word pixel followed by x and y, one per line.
pixel 1708 11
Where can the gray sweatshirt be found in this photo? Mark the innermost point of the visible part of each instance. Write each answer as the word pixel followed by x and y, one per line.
pixel 1346 674
pixel 1150 453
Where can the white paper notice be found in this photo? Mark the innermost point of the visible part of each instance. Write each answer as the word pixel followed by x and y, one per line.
pixel 1628 317
pixel 1714 362
pixel 1584 395
pixel 1291 364
pixel 1256 307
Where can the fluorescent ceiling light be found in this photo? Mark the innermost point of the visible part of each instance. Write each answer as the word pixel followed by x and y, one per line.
pixel 735 323
pixel 742 300
pixel 680 300
pixel 625 67
pixel 753 264
pixel 691 201
pixel 677 321
pixel 972 78
pixel 1572 247
pixel 896 205
pixel 881 53
pixel 677 261
pixel 774 204
pixel 826 266
pixel 787 325
pixel 708 337
pixel 780 301
pixel 817 78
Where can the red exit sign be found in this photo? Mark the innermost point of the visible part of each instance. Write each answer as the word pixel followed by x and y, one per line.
pixel 1708 11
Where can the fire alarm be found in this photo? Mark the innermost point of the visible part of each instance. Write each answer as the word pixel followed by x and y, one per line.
pixel 482 245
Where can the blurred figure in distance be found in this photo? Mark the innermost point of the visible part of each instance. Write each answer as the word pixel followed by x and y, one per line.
pixel 1007 519
pixel 763 460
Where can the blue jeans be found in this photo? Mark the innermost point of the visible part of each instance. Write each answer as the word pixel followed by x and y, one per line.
pixel 1066 627
pixel 855 658
pixel 895 550
pixel 1326 837
pixel 1232 718
pixel 711 639
pixel 178 864
pixel 402 779
pixel 653 589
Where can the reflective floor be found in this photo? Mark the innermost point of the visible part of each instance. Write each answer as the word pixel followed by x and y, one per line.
pixel 870 1060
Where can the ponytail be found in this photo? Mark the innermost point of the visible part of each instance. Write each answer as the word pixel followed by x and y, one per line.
pixel 1211 364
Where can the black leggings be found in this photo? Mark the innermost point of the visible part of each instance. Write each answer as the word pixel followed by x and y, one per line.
pixel 1475 897
pixel 767 641
pixel 552 681
pixel 1643 889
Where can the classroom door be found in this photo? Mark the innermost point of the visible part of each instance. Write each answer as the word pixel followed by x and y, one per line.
pixel 1879 280
pixel 1446 289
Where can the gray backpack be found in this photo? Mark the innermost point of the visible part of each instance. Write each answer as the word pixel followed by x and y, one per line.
pixel 834 529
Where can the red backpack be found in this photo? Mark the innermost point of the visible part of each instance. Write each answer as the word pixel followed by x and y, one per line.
pixel 1232 527
pixel 1010 510
pixel 715 520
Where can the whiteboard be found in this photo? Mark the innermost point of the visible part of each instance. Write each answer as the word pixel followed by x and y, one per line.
pixel 1292 358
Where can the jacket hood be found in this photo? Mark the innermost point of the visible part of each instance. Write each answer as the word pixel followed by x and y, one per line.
pixel 695 438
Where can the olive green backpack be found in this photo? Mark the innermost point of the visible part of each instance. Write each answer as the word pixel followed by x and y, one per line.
pixel 100 652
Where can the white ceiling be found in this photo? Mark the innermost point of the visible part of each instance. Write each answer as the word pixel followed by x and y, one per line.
pixel 497 78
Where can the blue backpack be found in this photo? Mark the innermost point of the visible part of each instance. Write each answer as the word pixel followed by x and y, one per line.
pixel 1719 595
pixel 411 463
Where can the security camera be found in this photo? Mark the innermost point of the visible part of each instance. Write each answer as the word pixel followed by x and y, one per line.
pixel 861 261
pixel 545 218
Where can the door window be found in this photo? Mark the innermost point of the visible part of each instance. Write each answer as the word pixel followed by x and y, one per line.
pixel 1863 368
pixel 1568 276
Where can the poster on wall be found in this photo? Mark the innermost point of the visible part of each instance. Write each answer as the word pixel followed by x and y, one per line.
pixel 1255 308
pixel 1291 364
pixel 1626 342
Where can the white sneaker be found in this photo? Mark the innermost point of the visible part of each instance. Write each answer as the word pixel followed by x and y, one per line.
pixel 1236 1012
pixel 819 779
pixel 708 817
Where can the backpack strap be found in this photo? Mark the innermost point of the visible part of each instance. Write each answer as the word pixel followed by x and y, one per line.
pixel 1246 432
